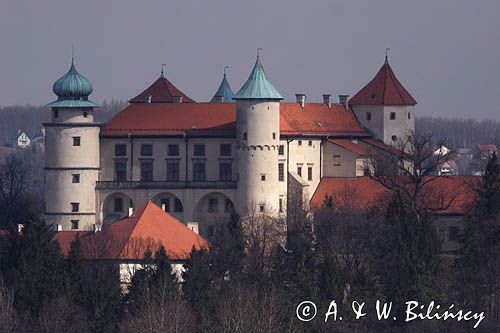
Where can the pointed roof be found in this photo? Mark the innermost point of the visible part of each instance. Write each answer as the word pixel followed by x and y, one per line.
pixel 224 91
pixel 161 91
pixel 384 89
pixel 258 85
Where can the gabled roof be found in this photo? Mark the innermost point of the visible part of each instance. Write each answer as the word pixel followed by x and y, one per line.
pixel 258 85
pixel 384 89
pixel 219 119
pixel 377 144
pixel 161 91
pixel 352 147
pixel 128 239
pixel 452 195
pixel 224 91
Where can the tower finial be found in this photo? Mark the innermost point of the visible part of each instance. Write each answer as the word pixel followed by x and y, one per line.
pixel 387 55
pixel 258 52
pixel 162 74
pixel 72 54
pixel 225 68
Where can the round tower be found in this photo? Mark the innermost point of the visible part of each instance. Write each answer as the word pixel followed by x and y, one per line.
pixel 71 155
pixel 257 135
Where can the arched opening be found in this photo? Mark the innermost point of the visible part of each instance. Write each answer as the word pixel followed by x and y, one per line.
pixel 115 207
pixel 171 204
pixel 211 209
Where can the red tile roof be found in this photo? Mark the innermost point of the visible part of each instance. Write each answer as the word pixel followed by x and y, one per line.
pixel 127 239
pixel 384 89
pixel 216 119
pixel 65 238
pixel 490 148
pixel 382 146
pixel 443 195
pixel 352 147
pixel 161 91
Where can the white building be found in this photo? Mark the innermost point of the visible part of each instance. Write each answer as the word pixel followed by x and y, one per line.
pixel 200 160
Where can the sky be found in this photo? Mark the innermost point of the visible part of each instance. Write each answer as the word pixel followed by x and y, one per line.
pixel 446 53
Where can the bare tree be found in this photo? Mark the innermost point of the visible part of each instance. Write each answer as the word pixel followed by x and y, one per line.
pixel 62 316
pixel 8 315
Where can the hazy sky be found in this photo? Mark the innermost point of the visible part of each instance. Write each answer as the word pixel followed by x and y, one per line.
pixel 446 53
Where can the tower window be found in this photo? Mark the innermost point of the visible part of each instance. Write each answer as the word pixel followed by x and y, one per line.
pixel 368 116
pixel 281 172
pixel 262 208
pixel 309 173
pixel 118 205
pixel 281 150
pixel 281 205
pixel 394 138
pixel 300 143
pixel 392 116
pixel 225 149
pixel 75 178
pixel 336 160
pixel 245 136
pixel 85 114
pixel 274 136
pixel 76 141
pixel 213 205
pixel 173 150
pixel 147 149
pixel 409 116
pixel 120 149
pixel 263 177
pixel 56 113
pixel 74 224
pixel 310 143
pixel 299 171
pixel 199 150
pixel 75 207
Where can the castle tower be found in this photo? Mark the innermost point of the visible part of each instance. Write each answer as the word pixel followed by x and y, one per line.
pixel 71 155
pixel 385 107
pixel 257 135
pixel 224 93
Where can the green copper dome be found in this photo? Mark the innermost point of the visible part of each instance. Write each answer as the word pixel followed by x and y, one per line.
pixel 258 85
pixel 72 90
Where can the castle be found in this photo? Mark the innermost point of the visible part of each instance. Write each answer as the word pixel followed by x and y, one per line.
pixel 246 151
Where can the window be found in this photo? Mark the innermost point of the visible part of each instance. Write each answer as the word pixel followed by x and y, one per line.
pixel 118 205
pixel 281 172
pixel 225 149
pixel 245 136
pixel 213 205
pixel 56 113
pixel 309 173
pixel 199 171
pixel 165 204
pixel 76 141
pixel 225 171
pixel 300 143
pixel 336 160
pixel 263 177
pixel 281 205
pixel 75 178
pixel 75 207
pixel 121 149
pixel 274 136
pixel 173 171
pixel 178 206
pixel 453 233
pixel 299 171
pixel 173 150
pixel 262 208
pixel 310 143
pixel 74 224
pixel 368 116
pixel 147 149
pixel 120 171
pixel 409 115
pixel 228 207
pixel 281 150
pixel 199 150
pixel 394 138
pixel 85 114
pixel 146 171
pixel 392 116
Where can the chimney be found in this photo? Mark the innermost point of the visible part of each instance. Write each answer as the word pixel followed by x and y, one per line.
pixel 163 207
pixel 59 227
pixel 194 226
pixel 301 99
pixel 219 99
pixel 177 99
pixel 130 211
pixel 149 98
pixel 343 99
pixel 326 99
pixel 20 228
